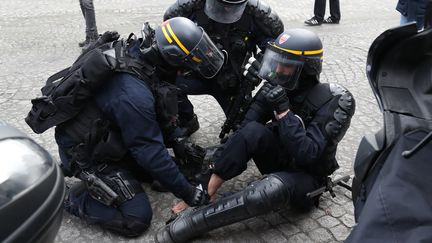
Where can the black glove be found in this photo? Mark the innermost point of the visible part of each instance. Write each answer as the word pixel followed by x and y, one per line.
pixel 109 36
pixel 251 71
pixel 276 96
pixel 198 197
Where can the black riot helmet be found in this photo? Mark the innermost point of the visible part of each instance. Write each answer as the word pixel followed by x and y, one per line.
pixel 182 43
pixel 294 53
pixel 225 11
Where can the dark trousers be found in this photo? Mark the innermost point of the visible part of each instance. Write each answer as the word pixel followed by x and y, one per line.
pixel 320 6
pixel 198 87
pixel 88 12
pixel 131 218
pixel 261 143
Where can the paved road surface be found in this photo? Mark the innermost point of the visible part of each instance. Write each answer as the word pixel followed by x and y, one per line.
pixel 40 37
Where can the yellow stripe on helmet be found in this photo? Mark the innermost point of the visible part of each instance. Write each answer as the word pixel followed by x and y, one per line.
pixel 313 52
pixel 177 40
pixel 295 52
pixel 166 35
pixel 196 59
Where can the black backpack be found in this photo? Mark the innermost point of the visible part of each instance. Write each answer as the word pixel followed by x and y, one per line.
pixel 67 92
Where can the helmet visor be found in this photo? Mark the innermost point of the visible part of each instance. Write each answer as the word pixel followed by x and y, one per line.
pixel 205 58
pixel 225 13
pixel 280 69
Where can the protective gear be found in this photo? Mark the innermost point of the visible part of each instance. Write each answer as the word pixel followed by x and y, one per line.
pixel 68 91
pixel 225 11
pixel 182 43
pixel 198 197
pixel 294 52
pixel 273 192
pixel 276 96
pixel 239 38
pixel 330 105
pixel 189 157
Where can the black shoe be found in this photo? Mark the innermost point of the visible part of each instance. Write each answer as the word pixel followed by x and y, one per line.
pixel 189 127
pixel 313 21
pixel 83 43
pixel 330 20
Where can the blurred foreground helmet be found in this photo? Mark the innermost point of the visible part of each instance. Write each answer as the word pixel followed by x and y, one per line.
pixel 295 51
pixel 182 43
pixel 31 189
pixel 225 11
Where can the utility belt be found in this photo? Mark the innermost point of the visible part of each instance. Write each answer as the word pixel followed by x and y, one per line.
pixel 111 187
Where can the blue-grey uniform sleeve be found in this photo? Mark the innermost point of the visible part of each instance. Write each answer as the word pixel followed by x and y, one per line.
pixel 305 145
pixel 136 118
pixel 319 139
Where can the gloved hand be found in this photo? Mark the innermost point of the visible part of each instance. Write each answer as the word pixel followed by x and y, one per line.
pixel 276 96
pixel 109 36
pixel 199 197
pixel 251 70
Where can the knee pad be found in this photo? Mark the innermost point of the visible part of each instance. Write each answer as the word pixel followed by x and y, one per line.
pixel 263 196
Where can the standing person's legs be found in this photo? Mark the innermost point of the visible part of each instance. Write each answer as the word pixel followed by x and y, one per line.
pixel 319 9
pixel 90 18
pixel 335 10
pixel 82 8
pixel 88 12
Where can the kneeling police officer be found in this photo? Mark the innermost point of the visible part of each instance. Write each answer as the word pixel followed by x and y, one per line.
pixel 112 120
pixel 238 27
pixel 295 151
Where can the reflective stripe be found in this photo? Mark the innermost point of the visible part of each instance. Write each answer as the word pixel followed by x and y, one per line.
pixel 196 59
pixel 295 52
pixel 288 50
pixel 313 52
pixel 166 35
pixel 177 40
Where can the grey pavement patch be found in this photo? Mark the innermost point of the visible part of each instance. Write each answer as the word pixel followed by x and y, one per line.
pixel 320 235
pixel 40 37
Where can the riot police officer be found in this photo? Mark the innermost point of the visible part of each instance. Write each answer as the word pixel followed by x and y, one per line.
pixel 236 26
pixel 116 141
pixel 295 152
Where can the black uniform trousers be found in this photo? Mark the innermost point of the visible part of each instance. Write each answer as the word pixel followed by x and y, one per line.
pixel 320 6
pixel 261 143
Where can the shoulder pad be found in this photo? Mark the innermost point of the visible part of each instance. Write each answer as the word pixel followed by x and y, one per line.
pixel 344 109
pixel 183 8
pixel 266 19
